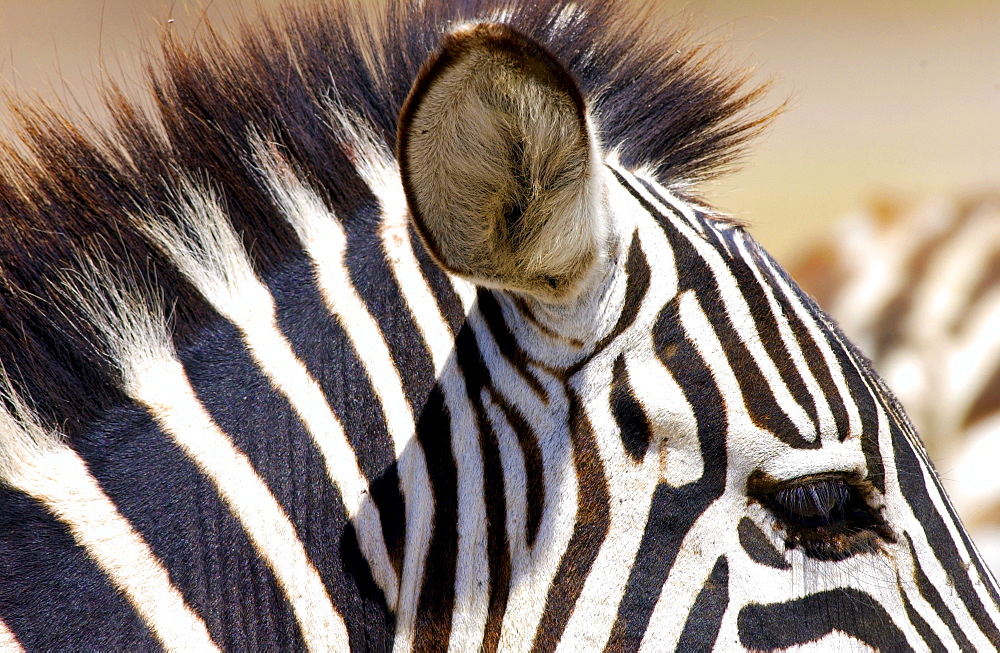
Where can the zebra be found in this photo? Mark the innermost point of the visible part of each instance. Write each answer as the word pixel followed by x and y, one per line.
pixel 406 329
pixel 916 283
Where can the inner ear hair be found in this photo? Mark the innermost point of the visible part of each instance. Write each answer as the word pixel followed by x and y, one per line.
pixel 499 165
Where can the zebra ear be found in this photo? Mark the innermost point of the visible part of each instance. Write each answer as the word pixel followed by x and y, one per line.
pixel 499 166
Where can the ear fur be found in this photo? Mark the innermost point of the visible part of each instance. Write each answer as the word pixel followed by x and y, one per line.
pixel 499 166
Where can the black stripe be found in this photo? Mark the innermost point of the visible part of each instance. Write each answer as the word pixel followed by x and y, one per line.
pixel 702 627
pixel 437 594
pixel 506 343
pixel 933 597
pixel 695 274
pixel 263 425
pixel 388 496
pixel 52 595
pixel 854 365
pixel 896 412
pixel 926 632
pixel 527 439
pixel 439 283
pixel 527 314
pixel 633 425
pixel 190 529
pixel 758 547
pixel 674 510
pixel 805 620
pixel 637 285
pixel 372 277
pixel 477 378
pixel 637 279
pixel 371 624
pixel 911 485
pixel 593 518
pixel 694 223
pixel 320 342
pixel 809 347
pixel 766 321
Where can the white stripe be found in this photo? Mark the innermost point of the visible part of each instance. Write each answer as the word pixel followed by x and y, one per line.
pixel 515 477
pixel 532 568
pixel 675 427
pixel 472 563
pixel 924 550
pixel 885 443
pixel 816 334
pixel 655 388
pixel 736 307
pixel 171 400
pixel 715 530
pixel 8 643
pixel 38 463
pixel 378 169
pixel 827 425
pixel 630 488
pixel 137 341
pixel 60 480
pixel 908 585
pixel 905 564
pixel 289 375
pixel 214 260
pixel 325 242
pixel 740 429
pixel 712 533
pixel 902 514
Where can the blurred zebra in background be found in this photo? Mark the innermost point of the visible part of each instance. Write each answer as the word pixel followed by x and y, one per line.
pixel 917 286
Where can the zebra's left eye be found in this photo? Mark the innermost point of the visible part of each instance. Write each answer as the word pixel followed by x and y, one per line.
pixel 827 516
pixel 818 503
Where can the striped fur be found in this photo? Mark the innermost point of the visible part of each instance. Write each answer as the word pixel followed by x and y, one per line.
pixel 246 406
pixel 917 285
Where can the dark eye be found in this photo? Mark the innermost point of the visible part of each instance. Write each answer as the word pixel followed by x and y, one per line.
pixel 828 516
pixel 819 503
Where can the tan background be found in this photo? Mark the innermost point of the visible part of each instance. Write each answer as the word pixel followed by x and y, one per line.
pixel 884 95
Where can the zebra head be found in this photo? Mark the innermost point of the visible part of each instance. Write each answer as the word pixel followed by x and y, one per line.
pixel 736 472
pixel 267 384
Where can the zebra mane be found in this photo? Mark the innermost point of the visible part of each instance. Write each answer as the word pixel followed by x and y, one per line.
pixel 74 196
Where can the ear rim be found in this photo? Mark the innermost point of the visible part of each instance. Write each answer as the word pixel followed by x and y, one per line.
pixel 453 46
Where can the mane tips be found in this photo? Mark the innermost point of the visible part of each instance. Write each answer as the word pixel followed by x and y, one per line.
pixel 308 80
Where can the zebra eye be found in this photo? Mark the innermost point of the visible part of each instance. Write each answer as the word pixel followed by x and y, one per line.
pixel 828 516
pixel 818 503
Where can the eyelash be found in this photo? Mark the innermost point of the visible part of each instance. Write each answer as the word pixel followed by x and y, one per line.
pixel 818 504
pixel 826 515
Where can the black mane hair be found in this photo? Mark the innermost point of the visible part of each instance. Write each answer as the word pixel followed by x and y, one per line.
pixel 70 192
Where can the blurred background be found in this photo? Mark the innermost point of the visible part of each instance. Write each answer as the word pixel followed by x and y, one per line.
pixel 884 96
